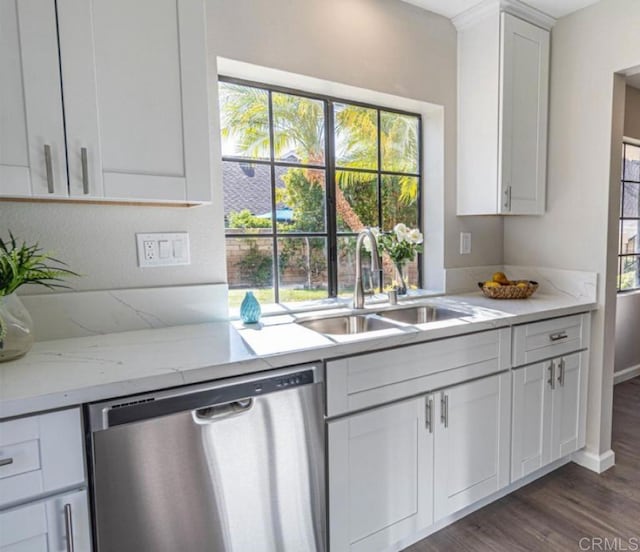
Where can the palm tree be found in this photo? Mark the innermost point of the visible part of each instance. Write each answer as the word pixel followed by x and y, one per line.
pixel 299 127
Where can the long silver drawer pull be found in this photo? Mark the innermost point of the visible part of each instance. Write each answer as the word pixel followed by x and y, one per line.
pixel 429 414
pixel 5 461
pixel 552 378
pixel 49 168
pixel 558 336
pixel 85 170
pixel 444 407
pixel 68 523
pixel 561 368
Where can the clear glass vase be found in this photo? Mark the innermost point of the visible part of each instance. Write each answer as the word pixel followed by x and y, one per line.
pixel 16 328
pixel 400 278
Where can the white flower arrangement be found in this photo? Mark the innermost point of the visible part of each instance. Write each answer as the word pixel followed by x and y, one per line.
pixel 401 244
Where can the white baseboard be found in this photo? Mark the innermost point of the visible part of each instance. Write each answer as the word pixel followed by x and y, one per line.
pixel 626 374
pixel 593 461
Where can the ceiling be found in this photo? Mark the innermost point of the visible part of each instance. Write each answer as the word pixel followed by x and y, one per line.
pixel 634 81
pixel 451 8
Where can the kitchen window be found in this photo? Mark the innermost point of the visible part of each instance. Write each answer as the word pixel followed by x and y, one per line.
pixel 629 244
pixel 302 175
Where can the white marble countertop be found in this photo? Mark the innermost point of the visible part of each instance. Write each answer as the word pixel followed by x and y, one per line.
pixel 67 372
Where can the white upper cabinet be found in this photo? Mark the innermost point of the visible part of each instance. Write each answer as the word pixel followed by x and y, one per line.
pixel 503 86
pixel 136 111
pixel 136 103
pixel 32 148
pixel 524 79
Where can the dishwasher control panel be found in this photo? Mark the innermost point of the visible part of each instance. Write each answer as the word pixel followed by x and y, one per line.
pixel 142 407
pixel 293 380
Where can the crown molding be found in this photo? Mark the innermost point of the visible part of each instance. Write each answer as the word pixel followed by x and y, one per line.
pixel 476 13
pixel 526 12
pixel 488 8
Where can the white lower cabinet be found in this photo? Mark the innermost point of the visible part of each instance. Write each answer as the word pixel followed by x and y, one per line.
pixel 548 412
pixel 396 469
pixel 380 476
pixel 471 442
pixel 59 524
pixel 41 455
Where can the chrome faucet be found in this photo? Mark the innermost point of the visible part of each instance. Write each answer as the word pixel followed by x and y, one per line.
pixel 358 292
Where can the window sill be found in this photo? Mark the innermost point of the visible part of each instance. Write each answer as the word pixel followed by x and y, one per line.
pixel 281 309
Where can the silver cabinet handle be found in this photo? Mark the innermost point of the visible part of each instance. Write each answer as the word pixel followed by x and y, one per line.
pixel 68 523
pixel 444 409
pixel 429 414
pixel 85 170
pixel 561 367
pixel 558 336
pixel 5 461
pixel 507 198
pixel 552 379
pixel 49 168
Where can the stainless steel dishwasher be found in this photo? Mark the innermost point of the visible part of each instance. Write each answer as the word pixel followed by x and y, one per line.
pixel 235 465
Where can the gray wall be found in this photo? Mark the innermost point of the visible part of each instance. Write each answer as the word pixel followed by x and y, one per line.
pixel 384 45
pixel 632 113
pixel 628 304
pixel 580 228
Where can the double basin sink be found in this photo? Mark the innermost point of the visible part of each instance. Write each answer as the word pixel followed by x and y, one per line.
pixel 349 324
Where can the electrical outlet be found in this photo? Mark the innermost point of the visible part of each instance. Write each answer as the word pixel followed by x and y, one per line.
pixel 465 243
pixel 150 250
pixel 163 249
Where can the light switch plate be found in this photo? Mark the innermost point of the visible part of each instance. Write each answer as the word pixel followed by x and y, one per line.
pixel 465 243
pixel 163 249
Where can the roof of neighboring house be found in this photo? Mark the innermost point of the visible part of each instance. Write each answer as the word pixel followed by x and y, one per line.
pixel 248 185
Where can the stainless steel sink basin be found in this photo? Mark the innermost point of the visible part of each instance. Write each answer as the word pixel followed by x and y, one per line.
pixel 420 314
pixel 346 325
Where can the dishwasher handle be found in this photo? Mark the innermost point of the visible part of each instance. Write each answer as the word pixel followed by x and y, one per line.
pixel 210 414
pixel 210 399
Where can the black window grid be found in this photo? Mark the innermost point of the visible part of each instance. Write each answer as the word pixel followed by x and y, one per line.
pixel 330 169
pixel 623 255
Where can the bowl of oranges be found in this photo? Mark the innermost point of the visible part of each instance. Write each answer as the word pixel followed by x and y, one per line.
pixel 500 287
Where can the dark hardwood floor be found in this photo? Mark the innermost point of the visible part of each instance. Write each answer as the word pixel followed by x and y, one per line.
pixel 555 512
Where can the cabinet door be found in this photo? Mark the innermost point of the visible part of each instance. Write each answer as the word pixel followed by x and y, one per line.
pixel 531 427
pixel 136 102
pixel 47 526
pixel 472 440
pixel 524 69
pixel 567 406
pixel 32 148
pixel 380 476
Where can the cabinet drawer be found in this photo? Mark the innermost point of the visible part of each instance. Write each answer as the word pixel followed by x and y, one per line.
pixel 367 380
pixel 40 454
pixel 550 338
pixel 19 458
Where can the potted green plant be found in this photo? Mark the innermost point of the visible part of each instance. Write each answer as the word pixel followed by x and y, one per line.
pixel 22 264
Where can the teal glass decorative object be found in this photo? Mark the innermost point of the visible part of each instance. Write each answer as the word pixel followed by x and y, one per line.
pixel 250 310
